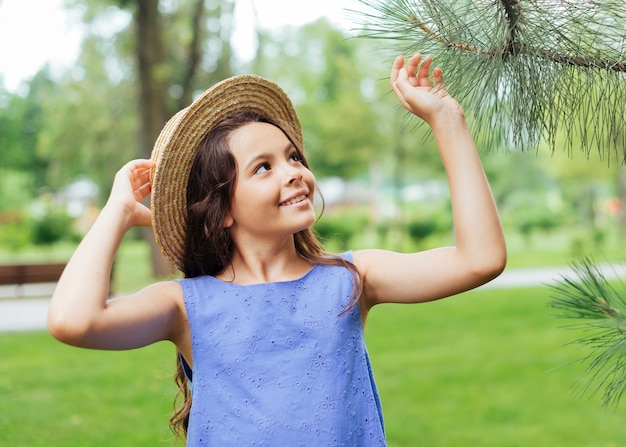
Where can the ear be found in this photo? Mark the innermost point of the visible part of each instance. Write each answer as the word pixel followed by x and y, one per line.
pixel 228 220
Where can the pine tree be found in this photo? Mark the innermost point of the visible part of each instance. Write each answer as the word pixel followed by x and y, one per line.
pixel 600 310
pixel 526 71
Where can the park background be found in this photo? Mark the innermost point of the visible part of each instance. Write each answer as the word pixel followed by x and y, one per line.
pixel 491 367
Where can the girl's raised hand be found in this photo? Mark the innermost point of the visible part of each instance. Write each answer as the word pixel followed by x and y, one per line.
pixel 416 92
pixel 130 187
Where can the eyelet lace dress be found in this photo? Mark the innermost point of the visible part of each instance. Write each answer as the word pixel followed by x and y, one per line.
pixel 275 364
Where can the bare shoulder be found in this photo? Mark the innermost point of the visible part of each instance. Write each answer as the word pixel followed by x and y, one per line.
pixel 165 290
pixel 169 297
pixel 372 259
pixel 161 295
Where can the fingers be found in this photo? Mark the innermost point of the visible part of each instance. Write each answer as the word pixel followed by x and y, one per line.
pixel 418 75
pixel 134 178
pixel 398 75
pixel 136 168
pixel 140 178
pixel 423 74
pixel 397 65
pixel 142 191
pixel 438 75
pixel 139 166
pixel 412 68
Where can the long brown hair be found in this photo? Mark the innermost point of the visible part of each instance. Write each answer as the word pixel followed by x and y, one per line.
pixel 208 245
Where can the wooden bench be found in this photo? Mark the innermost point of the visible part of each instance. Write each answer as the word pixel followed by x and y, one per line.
pixel 20 275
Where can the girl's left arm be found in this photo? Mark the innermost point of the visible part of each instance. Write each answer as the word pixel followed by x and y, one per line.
pixel 479 254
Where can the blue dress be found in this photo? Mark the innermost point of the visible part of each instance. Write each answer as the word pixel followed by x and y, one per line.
pixel 276 365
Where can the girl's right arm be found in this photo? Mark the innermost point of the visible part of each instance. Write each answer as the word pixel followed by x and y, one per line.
pixel 479 251
pixel 80 312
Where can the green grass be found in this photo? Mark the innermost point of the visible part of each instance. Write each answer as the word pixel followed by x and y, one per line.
pixel 57 395
pixel 488 368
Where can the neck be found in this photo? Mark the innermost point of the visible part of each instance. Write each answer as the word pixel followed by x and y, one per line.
pixel 259 263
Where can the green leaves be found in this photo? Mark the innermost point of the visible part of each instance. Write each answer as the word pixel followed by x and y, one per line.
pixel 521 69
pixel 601 313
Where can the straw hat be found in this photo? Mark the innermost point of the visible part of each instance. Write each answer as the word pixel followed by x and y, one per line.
pixel 176 147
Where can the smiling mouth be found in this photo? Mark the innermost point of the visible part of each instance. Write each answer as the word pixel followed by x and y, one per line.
pixel 295 200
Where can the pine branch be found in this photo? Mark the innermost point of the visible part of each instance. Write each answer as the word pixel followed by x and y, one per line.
pixel 512 10
pixel 513 48
pixel 601 312
pixel 527 71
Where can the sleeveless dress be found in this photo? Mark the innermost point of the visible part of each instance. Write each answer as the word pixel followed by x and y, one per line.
pixel 275 364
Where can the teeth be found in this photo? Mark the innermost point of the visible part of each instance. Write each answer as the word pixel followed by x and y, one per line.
pixel 295 200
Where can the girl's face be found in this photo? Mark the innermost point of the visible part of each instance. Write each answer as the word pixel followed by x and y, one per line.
pixel 273 194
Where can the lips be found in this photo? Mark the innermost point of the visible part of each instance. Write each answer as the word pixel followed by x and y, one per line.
pixel 294 200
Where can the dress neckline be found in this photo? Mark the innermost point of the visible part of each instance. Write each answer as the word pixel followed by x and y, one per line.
pixel 287 281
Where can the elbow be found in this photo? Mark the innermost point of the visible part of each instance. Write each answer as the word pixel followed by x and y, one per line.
pixel 490 267
pixel 60 329
pixel 67 330
pixel 496 267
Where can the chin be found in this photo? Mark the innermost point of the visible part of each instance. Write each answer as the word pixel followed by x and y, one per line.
pixel 308 226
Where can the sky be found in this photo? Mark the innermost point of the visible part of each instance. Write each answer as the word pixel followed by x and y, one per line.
pixel 36 32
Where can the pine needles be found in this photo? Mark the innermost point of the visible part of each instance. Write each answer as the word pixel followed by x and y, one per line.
pixel 527 70
pixel 601 312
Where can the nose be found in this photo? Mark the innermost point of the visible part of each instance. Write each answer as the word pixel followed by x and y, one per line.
pixel 293 174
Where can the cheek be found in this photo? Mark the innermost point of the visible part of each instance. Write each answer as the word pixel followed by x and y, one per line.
pixel 309 179
pixel 250 197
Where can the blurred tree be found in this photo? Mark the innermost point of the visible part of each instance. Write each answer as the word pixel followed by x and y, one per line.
pixel 87 127
pixel 20 123
pixel 316 64
pixel 350 120
pixel 511 173
pixel 163 52
pixel 598 176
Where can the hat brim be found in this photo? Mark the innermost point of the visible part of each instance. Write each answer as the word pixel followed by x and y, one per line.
pixel 178 143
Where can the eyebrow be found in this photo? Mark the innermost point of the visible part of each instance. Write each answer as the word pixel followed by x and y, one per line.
pixel 266 155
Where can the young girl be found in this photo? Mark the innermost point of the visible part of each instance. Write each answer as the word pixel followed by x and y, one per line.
pixel 268 326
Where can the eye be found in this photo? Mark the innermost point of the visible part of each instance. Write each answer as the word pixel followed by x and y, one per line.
pixel 262 168
pixel 294 156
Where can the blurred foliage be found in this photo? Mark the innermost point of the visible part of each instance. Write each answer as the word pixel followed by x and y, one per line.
pixel 14 236
pixel 340 107
pixel 21 229
pixel 16 189
pixel 341 226
pixel 421 226
pixel 53 226
pixel 84 121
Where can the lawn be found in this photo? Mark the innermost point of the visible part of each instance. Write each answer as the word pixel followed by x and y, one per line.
pixel 489 368
pixel 485 369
